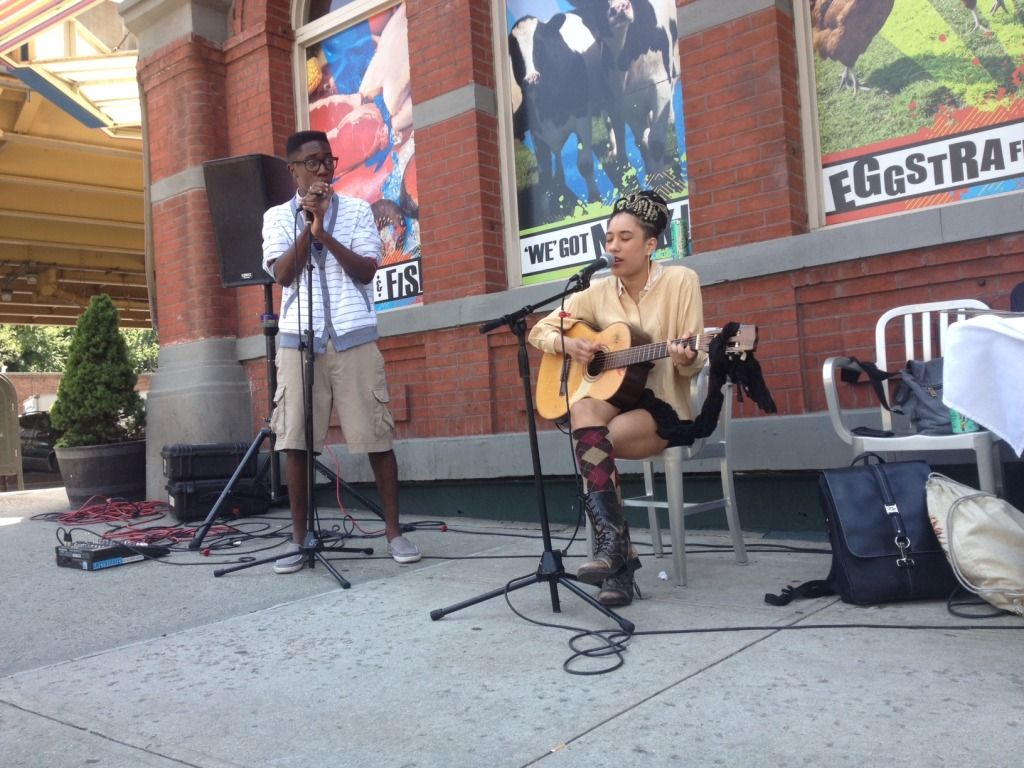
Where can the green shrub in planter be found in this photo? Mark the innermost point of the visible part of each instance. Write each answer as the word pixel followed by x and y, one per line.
pixel 96 399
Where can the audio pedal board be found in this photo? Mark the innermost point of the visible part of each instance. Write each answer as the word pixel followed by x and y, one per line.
pixel 95 556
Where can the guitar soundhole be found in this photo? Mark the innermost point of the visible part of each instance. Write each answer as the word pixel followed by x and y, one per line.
pixel 596 366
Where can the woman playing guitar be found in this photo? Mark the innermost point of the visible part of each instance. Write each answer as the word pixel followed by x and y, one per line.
pixel 663 302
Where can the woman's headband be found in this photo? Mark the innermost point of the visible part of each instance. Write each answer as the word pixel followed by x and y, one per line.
pixel 646 207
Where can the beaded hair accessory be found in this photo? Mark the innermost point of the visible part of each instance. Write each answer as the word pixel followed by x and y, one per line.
pixel 645 207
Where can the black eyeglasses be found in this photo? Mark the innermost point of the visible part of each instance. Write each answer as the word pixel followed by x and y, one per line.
pixel 313 163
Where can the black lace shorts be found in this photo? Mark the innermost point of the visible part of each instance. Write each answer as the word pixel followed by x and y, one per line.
pixel 667 423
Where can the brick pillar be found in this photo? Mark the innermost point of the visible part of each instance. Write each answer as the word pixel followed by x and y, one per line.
pixel 743 134
pixel 200 392
pixel 460 196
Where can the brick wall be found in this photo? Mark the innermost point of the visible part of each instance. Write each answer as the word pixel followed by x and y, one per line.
pixel 747 185
pixel 206 102
pixel 808 315
pixel 457 159
pixel 260 117
pixel 45 385
pixel 742 114
pixel 185 115
pixel 460 208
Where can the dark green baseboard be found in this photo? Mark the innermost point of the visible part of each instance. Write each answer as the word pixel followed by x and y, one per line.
pixel 769 502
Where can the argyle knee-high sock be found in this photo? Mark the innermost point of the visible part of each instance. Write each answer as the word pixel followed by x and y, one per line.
pixel 596 456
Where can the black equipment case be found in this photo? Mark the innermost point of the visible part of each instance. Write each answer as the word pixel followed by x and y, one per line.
pixel 207 460
pixel 192 500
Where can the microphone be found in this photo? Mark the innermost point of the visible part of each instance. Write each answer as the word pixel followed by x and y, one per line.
pixel 588 271
pixel 309 214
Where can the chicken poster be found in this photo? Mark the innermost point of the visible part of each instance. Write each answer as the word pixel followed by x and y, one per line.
pixel 597 112
pixel 359 95
pixel 919 102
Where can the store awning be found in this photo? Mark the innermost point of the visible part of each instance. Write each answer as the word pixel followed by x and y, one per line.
pixel 47 45
pixel 72 219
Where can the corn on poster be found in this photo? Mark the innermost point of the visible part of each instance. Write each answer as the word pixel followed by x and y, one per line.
pixel 596 112
pixel 359 95
pixel 919 102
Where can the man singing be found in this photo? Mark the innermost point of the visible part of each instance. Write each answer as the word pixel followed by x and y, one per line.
pixel 340 234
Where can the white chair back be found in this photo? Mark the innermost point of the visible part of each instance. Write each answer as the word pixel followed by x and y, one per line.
pixel 915 332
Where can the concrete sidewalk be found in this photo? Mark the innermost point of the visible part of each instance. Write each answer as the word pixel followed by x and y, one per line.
pixel 161 664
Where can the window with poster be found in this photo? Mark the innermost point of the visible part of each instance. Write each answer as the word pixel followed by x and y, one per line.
pixel 355 74
pixel 594 111
pixel 919 102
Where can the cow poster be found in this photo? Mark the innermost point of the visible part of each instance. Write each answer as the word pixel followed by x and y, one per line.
pixel 359 95
pixel 919 102
pixel 596 112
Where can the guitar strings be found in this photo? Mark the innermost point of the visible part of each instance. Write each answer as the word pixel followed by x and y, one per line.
pixel 643 352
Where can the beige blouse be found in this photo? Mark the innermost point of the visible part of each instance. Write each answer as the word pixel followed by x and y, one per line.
pixel 669 306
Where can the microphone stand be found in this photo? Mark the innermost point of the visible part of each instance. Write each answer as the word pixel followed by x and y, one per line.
pixel 550 570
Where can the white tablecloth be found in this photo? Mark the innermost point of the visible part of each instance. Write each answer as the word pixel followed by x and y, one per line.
pixel 983 374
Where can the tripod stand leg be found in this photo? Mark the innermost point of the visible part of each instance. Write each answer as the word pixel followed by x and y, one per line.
pixel 522 581
pixel 315 555
pixel 627 626
pixel 551 571
pixel 197 539
pixel 318 555
pixel 370 504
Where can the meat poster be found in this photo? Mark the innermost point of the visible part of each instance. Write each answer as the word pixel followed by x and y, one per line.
pixel 596 112
pixel 359 95
pixel 919 102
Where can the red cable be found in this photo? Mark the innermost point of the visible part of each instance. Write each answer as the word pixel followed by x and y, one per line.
pixel 337 495
pixel 173 534
pixel 112 510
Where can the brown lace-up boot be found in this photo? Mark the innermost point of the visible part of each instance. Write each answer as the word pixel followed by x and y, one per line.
pixel 612 535
pixel 619 589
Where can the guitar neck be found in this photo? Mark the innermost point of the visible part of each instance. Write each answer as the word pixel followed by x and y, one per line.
pixel 643 353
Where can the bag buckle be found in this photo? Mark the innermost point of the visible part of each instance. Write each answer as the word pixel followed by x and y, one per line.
pixel 891 509
pixel 903 544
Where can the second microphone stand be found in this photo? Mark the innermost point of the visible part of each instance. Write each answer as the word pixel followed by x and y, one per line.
pixel 550 570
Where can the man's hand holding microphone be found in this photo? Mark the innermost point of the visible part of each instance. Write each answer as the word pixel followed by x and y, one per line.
pixel 314 204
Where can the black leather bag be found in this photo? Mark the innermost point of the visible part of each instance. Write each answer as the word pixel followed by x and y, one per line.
pixel 883 547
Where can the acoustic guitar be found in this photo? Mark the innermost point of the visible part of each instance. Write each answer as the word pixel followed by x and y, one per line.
pixel 618 372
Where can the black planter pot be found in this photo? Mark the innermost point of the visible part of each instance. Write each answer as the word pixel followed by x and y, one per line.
pixel 113 471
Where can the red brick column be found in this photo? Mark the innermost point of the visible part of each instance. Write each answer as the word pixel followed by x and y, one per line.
pixel 260 115
pixel 200 393
pixel 460 194
pixel 743 134
pixel 183 88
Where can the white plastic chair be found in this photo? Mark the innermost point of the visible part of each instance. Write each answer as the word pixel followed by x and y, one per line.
pixel 674 500
pixel 923 338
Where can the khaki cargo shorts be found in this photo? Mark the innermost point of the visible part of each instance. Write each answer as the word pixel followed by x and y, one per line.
pixel 353 381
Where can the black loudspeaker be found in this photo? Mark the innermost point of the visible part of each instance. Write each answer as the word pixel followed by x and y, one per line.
pixel 239 190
